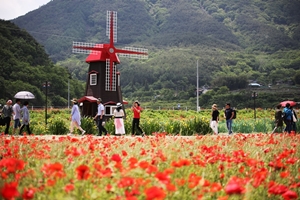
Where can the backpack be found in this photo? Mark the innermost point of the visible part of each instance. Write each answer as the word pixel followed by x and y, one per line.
pixel 234 114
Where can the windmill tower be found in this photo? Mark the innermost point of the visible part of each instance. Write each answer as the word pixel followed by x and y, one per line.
pixel 103 77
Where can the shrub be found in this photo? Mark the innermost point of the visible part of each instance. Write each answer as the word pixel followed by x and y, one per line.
pixel 57 127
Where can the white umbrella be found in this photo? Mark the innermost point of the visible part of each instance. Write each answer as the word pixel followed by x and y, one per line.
pixel 24 95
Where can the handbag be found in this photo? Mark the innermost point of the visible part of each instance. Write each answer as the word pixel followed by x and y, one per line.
pixel 294 118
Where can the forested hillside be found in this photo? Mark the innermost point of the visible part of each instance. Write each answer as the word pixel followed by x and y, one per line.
pixel 24 65
pixel 235 41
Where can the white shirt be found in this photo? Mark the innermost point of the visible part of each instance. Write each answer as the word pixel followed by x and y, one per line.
pixel 100 109
pixel 17 111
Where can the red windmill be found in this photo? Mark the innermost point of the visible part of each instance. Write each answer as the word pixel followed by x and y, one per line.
pixel 104 79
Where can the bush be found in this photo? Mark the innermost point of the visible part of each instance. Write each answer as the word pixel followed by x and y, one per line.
pixel 57 126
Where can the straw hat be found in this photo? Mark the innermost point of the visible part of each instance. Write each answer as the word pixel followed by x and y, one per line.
pixel 74 100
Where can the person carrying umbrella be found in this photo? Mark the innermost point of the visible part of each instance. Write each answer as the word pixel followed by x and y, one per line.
pixel 16 115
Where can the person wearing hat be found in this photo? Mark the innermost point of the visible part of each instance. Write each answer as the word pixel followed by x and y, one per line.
pixel 7 112
pixel 16 115
pixel 99 117
pixel 214 118
pixel 75 118
pixel 136 117
pixel 118 120
pixel 25 118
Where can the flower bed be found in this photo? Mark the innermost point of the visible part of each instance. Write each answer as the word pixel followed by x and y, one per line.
pixel 253 166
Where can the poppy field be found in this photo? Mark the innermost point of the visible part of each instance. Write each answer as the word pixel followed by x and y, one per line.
pixel 242 166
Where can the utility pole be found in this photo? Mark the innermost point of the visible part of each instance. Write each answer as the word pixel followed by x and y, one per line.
pixel 197 88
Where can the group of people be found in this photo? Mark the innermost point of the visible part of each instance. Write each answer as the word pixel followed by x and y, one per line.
pixel 99 117
pixel 286 116
pixel 16 113
pixel 228 115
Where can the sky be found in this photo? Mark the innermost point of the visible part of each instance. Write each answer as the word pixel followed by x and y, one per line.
pixel 11 9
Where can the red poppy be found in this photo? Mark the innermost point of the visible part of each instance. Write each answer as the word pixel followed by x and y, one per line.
pixel 28 193
pixel 235 186
pixel 83 172
pixel 9 190
pixel 69 187
pixel 163 177
pixel 288 195
pixel 125 182
pixel 116 158
pixel 12 164
pixel 215 187
pixel 155 192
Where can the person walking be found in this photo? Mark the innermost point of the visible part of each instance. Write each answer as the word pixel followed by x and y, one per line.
pixel 228 114
pixel 25 118
pixel 99 117
pixel 294 120
pixel 136 118
pixel 214 119
pixel 118 120
pixel 288 118
pixel 278 119
pixel 7 112
pixel 75 118
pixel 16 115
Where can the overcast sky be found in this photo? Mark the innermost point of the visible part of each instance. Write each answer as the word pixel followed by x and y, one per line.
pixel 11 9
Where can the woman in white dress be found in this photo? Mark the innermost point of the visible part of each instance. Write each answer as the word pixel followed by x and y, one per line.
pixel 118 120
pixel 75 118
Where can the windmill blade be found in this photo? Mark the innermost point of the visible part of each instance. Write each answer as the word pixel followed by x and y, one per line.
pixel 133 52
pixel 110 76
pixel 86 48
pixel 111 25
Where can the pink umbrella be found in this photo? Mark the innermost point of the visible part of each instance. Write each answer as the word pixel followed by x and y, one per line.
pixel 292 103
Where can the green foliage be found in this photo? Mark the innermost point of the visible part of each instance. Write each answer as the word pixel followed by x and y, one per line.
pixel 26 66
pixel 57 127
pixel 88 124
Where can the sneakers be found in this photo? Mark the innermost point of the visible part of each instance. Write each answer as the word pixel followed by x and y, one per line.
pixel 83 132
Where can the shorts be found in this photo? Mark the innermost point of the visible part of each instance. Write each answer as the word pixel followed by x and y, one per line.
pixel 17 123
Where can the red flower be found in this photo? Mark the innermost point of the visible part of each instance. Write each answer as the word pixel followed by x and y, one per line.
pixel 116 158
pixel 125 182
pixel 215 187
pixel 155 193
pixel 9 190
pixel 124 153
pixel 163 177
pixel 12 164
pixel 235 186
pixel 289 195
pixel 69 187
pixel 276 189
pixel 82 172
pixel 28 193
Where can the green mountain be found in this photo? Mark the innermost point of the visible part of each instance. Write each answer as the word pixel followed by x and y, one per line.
pixel 24 65
pixel 235 42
